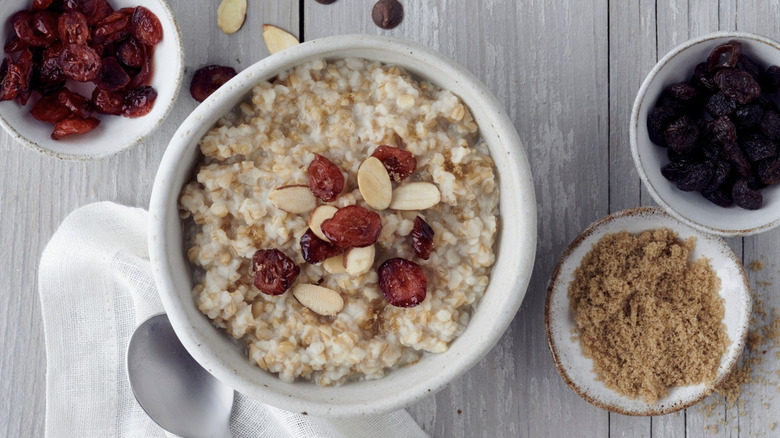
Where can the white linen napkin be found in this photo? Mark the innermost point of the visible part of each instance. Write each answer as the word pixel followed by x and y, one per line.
pixel 95 287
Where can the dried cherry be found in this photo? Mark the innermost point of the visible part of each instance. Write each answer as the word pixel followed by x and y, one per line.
pixel 145 26
pixel 139 101
pixel 74 125
pixel 274 272
pixel 79 62
pixel 402 282
pixel 325 179
pixel 207 79
pixel 315 250
pixel 352 227
pixel 422 238
pixel 398 162
pixel 73 28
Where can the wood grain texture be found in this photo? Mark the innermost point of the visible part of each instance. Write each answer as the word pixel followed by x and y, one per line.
pixel 567 73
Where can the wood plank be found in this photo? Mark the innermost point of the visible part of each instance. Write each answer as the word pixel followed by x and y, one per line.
pixel 37 192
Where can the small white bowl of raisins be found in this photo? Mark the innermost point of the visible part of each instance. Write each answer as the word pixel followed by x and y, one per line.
pixel 705 133
pixel 84 80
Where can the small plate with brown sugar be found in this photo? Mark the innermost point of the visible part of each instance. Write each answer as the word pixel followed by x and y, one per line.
pixel 645 315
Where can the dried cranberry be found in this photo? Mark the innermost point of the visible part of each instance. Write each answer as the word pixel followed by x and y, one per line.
pixel 79 62
pixel 102 10
pixel 73 28
pixel 315 250
pixel 15 44
pixel 325 178
pixel 398 162
pixel 112 76
pixel 38 5
pixel 422 238
pixel 274 272
pixel 146 27
pixel 49 76
pixel 76 103
pixel 12 80
pixel 26 66
pixel 45 24
pixel 141 77
pixel 23 26
pixel 207 79
pixel 139 102
pixel 74 125
pixel 106 102
pixel 114 27
pixel 131 53
pixel 403 283
pixel 49 109
pixel 352 227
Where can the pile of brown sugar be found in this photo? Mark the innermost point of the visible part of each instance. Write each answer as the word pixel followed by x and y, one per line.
pixel 648 317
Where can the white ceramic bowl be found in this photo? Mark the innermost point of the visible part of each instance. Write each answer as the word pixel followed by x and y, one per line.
pixel 577 370
pixel 691 207
pixel 115 133
pixel 516 241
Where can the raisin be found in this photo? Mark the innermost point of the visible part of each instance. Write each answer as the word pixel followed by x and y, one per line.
pixel 770 125
pixel 676 170
pixel 737 85
pixel 325 179
pixel 274 272
pixel 702 79
pixel 387 14
pixel 73 28
pixel 74 125
pixel 352 227
pixel 112 76
pixel 720 105
pixel 737 158
pixel 770 80
pixel 769 170
pixel 683 91
pixel 131 53
pixel 757 146
pixel 657 121
pixel 79 62
pixel 723 130
pixel 49 109
pixel 139 101
pixel 697 178
pixel 748 66
pixel 106 102
pixel 403 283
pixel 422 238
pixel 146 27
pixel 720 173
pixel 315 250
pixel 749 116
pixel 76 103
pixel 725 55
pixel 682 134
pixel 745 197
pixel 207 79
pixel 398 162
pixel 718 197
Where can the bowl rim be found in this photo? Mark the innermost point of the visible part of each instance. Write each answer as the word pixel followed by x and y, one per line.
pixel 639 101
pixel 21 138
pixel 555 280
pixel 330 47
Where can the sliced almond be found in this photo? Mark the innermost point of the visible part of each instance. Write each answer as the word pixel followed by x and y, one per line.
pixel 277 39
pixel 319 299
pixel 318 216
pixel 297 199
pixel 415 196
pixel 374 183
pixel 334 265
pixel 358 261
pixel 231 15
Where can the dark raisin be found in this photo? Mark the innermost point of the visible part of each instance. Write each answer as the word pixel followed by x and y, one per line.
pixel 770 125
pixel 697 178
pixel 725 55
pixel 682 134
pixel 387 14
pixel 720 173
pixel 702 79
pixel 748 66
pixel 737 158
pixel 657 121
pixel 723 130
pixel 746 197
pixel 757 146
pixel 675 170
pixel 720 105
pixel 718 197
pixel 748 116
pixel 737 85
pixel 770 80
pixel 769 170
pixel 683 91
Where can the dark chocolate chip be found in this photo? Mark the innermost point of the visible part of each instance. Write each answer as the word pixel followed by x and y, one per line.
pixel 387 14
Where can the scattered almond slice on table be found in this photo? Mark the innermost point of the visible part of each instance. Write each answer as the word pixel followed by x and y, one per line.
pixel 296 199
pixel 415 196
pixel 374 183
pixel 231 15
pixel 277 39
pixel 319 299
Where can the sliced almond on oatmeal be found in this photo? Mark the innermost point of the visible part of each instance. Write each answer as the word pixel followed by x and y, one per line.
pixel 358 261
pixel 374 183
pixel 318 216
pixel 295 199
pixel 334 265
pixel 319 299
pixel 231 15
pixel 277 39
pixel 415 196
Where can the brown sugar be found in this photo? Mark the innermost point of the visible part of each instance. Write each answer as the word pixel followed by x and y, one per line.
pixel 648 316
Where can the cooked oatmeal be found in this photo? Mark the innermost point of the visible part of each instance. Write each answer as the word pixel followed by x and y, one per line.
pixel 342 110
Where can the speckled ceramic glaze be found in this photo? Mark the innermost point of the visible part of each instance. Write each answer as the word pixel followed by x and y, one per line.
pixel 691 207
pixel 115 133
pixel 223 357
pixel 577 370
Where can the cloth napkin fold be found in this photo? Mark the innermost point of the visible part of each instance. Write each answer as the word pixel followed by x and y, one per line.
pixel 96 286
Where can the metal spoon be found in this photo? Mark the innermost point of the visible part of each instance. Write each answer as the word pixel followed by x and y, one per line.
pixel 173 389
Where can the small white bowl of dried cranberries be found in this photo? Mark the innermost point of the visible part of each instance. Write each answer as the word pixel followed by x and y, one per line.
pixel 83 80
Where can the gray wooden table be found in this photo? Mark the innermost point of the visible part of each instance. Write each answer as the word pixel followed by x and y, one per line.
pixel 567 72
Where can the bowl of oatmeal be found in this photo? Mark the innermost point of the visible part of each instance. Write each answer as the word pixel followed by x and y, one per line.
pixel 327 229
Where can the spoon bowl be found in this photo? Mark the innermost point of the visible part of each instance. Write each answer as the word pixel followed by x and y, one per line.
pixel 173 389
